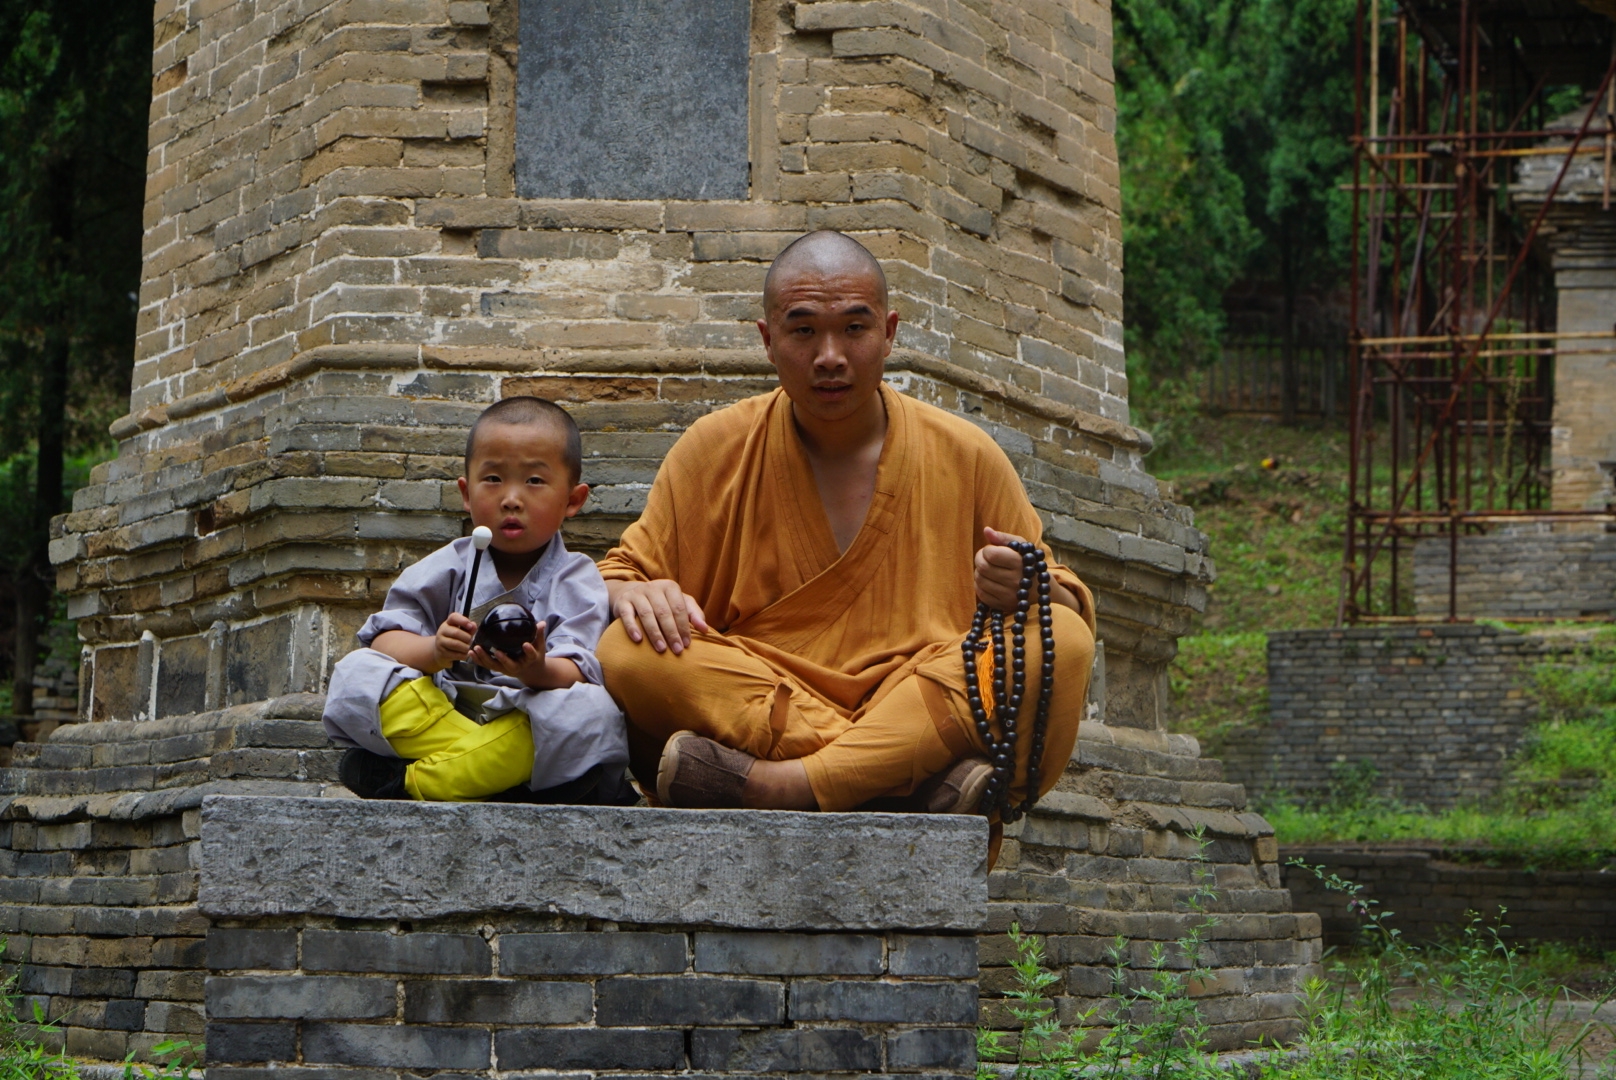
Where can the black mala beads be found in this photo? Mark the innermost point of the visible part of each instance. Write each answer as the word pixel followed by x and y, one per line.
pixel 1010 683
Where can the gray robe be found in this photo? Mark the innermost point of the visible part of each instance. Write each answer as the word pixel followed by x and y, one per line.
pixel 573 728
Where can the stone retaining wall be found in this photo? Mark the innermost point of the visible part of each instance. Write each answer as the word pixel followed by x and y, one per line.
pixel 1436 710
pixel 1431 895
pixel 514 938
pixel 1520 575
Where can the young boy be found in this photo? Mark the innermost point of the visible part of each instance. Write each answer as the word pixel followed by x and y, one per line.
pixel 410 703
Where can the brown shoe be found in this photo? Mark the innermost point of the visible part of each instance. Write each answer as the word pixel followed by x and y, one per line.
pixel 697 773
pixel 957 789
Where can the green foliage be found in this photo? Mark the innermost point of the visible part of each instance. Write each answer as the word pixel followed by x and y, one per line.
pixel 1219 684
pixel 176 1059
pixel 1232 125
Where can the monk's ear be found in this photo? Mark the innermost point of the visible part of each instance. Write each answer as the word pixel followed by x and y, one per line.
pixel 465 494
pixel 576 498
pixel 763 329
pixel 892 326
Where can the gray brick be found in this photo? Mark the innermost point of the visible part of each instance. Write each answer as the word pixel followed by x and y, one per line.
pixel 795 1050
pixel 884 1003
pixel 788 954
pixel 590 1048
pixel 592 954
pixel 251 1042
pixel 638 1002
pixel 396 1046
pixel 931 1048
pixel 933 954
pixel 103 982
pixel 300 997
pixel 489 1001
pixel 294 1072
pixel 411 954
pixel 266 950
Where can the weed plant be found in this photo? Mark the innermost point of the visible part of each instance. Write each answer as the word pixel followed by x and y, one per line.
pixel 1471 1010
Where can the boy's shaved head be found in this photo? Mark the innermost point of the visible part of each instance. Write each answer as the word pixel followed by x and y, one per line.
pixel 537 412
pixel 825 252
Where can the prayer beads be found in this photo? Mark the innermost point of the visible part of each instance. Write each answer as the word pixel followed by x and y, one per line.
pixel 1010 682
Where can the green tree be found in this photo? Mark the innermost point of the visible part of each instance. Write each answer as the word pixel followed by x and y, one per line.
pixel 74 92
pixel 1233 125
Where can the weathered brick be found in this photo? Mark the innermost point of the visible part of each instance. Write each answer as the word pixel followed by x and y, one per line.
pixel 238 949
pixel 915 954
pixel 300 997
pixel 396 1046
pixel 592 954
pixel 788 954
pixel 589 1048
pixel 884 1003
pixel 633 1002
pixel 497 1002
pixel 411 953
pixel 795 1050
pixel 931 1048
pixel 251 1042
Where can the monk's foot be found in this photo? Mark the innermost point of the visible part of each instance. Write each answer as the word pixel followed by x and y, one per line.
pixel 697 773
pixel 779 785
pixel 958 789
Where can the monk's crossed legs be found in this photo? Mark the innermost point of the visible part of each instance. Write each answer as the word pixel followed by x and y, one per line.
pixel 719 688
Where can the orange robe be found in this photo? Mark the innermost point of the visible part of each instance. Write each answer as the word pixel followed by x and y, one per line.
pixel 851 661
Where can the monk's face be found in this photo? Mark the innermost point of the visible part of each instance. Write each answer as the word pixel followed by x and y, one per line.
pixel 828 334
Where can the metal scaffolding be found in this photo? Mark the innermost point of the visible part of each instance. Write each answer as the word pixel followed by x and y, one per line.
pixel 1453 325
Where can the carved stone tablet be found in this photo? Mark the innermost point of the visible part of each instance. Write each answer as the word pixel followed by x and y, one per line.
pixel 633 99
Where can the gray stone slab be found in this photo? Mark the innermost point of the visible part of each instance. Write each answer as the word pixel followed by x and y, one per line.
pixel 633 99
pixel 729 868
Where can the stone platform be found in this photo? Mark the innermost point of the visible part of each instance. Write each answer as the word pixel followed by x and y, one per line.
pixel 351 937
pixel 111 884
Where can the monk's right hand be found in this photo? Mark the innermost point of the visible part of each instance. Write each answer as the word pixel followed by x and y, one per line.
pixel 453 640
pixel 656 611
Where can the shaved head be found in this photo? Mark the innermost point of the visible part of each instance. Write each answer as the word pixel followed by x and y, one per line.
pixel 825 253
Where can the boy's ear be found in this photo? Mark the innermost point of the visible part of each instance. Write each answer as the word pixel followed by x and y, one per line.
pixel 575 499
pixel 465 497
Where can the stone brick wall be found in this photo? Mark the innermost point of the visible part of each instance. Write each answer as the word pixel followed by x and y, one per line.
pixel 1520 574
pixel 507 995
pixel 587 940
pixel 99 862
pixel 1436 710
pixel 1432 895
pixel 339 275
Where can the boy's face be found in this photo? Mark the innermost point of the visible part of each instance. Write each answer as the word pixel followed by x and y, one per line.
pixel 518 485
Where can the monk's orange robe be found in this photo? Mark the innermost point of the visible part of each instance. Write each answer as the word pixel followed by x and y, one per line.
pixel 848 661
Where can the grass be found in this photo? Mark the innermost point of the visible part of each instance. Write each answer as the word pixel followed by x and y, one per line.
pixel 1471 1009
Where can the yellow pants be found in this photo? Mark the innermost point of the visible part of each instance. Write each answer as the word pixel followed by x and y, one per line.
pixel 918 728
pixel 455 760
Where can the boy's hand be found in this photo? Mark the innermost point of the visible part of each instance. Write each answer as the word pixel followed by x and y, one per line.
pixel 453 640
pixel 530 669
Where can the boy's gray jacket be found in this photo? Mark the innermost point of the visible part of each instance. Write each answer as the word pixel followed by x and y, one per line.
pixel 573 728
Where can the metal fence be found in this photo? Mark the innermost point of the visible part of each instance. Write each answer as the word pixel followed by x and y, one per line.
pixel 1248 377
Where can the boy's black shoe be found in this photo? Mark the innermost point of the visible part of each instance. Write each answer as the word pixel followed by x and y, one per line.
pixel 596 787
pixel 371 776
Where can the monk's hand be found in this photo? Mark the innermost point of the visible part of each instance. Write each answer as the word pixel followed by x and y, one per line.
pixel 453 640
pixel 657 611
pixel 998 570
pixel 529 667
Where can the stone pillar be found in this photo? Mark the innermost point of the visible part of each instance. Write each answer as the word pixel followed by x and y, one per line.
pixel 365 222
pixel 1580 237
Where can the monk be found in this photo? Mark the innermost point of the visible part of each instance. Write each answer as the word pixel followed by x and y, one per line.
pixel 789 608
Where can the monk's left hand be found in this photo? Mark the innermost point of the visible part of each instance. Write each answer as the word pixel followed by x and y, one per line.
pixel 998 570
pixel 998 575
